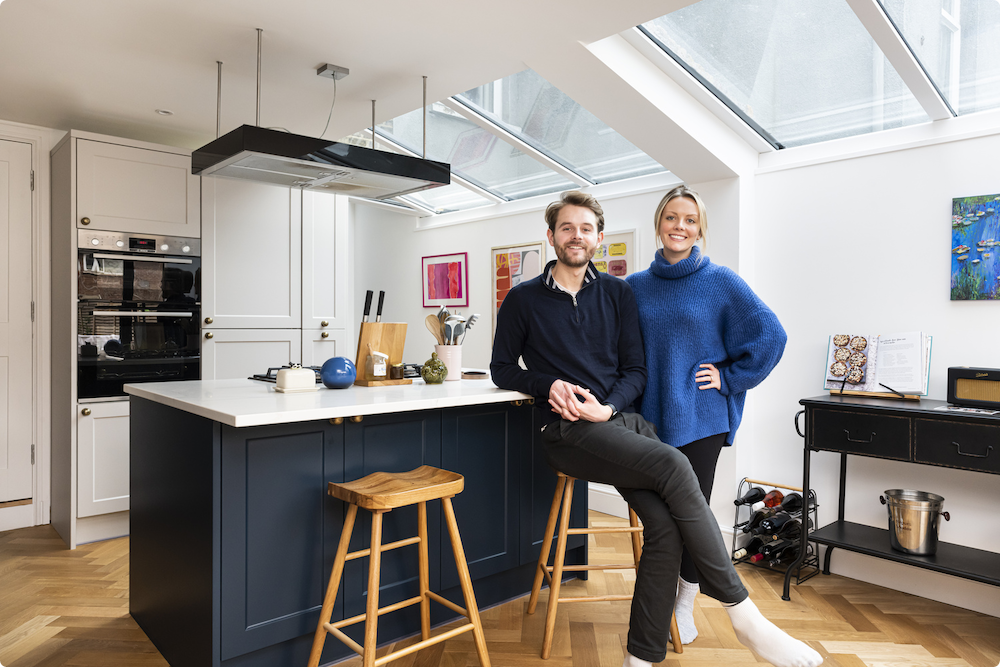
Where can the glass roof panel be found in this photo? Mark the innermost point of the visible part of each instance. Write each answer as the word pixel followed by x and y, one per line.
pixel 541 115
pixel 799 73
pixel 958 44
pixel 448 198
pixel 474 154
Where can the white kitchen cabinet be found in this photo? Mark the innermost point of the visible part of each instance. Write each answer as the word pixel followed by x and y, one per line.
pixel 324 261
pixel 318 345
pixel 102 432
pixel 105 184
pixel 135 189
pixel 251 255
pixel 228 354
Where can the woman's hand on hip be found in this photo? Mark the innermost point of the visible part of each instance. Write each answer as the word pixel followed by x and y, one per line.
pixel 709 375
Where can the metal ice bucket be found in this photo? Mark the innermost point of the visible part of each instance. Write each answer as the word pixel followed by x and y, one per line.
pixel 914 517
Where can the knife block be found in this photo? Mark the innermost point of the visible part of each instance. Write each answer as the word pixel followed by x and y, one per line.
pixel 385 337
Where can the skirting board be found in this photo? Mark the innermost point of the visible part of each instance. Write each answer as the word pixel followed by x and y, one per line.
pixel 101 527
pixel 19 516
pixel 605 498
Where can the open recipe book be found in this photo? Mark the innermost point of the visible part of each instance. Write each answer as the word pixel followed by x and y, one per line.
pixel 892 364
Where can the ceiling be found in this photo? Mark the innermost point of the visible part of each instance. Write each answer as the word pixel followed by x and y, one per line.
pixel 107 65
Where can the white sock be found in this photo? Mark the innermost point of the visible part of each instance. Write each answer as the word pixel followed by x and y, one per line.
pixel 768 640
pixel 684 610
pixel 632 661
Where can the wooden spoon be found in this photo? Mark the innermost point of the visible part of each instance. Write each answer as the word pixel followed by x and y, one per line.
pixel 434 326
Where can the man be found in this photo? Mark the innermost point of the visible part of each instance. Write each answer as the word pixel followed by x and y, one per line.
pixel 577 331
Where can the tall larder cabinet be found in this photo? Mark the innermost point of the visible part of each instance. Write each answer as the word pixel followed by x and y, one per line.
pixel 120 196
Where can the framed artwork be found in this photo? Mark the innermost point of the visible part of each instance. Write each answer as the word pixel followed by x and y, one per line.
pixel 616 254
pixel 975 248
pixel 445 280
pixel 513 265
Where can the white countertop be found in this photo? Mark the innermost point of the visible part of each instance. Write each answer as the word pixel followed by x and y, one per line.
pixel 255 403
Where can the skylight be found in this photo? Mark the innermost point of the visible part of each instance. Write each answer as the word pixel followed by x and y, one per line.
pixel 958 44
pixel 797 75
pixel 514 138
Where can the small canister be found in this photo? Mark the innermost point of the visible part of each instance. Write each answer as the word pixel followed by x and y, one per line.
pixel 396 372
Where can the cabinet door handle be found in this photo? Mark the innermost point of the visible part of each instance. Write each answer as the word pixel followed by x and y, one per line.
pixel 85 221
pixel 324 323
pixel 325 334
pixel 958 448
pixel 208 320
pixel 356 419
pixel 210 335
pixel 863 442
pixel 797 430
pixel 85 412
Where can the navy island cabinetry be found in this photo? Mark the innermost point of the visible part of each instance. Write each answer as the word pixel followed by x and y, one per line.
pixel 234 535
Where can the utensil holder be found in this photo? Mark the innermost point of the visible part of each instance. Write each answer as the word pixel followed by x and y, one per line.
pixel 451 355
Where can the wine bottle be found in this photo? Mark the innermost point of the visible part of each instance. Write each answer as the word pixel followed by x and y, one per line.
pixel 751 547
pixel 773 498
pixel 771 524
pixel 772 549
pixel 791 502
pixel 755 494
pixel 792 529
pixel 759 516
pixel 786 555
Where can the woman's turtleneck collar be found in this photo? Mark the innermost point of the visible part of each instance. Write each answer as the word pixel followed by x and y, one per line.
pixel 664 269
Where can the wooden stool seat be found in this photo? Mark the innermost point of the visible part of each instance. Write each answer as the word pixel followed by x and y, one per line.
pixel 379 493
pixel 389 490
pixel 562 500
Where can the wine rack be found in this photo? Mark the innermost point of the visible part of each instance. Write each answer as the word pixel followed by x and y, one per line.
pixel 809 566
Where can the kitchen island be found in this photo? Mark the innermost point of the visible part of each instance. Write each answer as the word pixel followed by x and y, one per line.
pixel 233 535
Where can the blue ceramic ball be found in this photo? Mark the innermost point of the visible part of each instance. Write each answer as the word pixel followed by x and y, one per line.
pixel 338 373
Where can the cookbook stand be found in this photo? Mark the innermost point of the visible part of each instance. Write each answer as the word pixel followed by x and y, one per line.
pixel 385 337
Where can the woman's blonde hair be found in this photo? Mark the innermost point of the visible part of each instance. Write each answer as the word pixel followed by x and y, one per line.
pixel 684 191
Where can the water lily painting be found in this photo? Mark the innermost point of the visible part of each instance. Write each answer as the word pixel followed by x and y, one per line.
pixel 975 245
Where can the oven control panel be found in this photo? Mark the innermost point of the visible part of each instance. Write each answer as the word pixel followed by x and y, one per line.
pixel 91 239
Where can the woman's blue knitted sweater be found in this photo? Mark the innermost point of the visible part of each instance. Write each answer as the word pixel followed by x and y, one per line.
pixel 691 313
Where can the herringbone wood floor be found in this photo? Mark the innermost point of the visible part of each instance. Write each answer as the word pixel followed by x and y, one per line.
pixel 60 607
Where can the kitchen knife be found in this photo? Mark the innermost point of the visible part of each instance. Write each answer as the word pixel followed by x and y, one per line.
pixel 368 305
pixel 378 313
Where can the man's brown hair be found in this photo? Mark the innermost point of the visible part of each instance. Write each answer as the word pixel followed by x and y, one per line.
pixel 574 198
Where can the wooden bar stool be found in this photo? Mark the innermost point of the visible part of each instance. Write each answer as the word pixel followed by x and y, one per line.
pixel 379 493
pixel 563 499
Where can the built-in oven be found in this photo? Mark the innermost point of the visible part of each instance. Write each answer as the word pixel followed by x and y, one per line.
pixel 138 311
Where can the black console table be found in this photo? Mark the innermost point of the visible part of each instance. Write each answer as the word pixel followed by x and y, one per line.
pixel 903 431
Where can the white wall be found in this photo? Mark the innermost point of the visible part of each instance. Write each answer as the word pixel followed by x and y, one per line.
pixel 864 244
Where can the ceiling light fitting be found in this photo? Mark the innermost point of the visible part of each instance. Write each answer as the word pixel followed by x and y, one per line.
pixel 334 72
pixel 165 112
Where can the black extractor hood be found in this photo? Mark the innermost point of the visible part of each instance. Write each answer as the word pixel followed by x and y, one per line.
pixel 292 160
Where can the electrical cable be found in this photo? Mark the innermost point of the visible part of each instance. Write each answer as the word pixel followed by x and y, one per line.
pixel 334 102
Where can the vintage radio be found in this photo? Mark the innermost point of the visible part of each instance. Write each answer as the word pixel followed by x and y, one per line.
pixel 974 387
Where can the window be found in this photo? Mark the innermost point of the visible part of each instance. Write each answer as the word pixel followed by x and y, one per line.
pixel 798 72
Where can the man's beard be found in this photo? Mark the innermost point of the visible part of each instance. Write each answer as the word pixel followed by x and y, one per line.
pixel 565 258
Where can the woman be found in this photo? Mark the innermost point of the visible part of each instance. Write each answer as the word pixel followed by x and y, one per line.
pixel 708 339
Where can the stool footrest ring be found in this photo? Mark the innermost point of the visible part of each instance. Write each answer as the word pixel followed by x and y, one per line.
pixel 578 568
pixel 385 547
pixel 437 639
pixel 382 610
pixel 595 531
pixel 596 598
pixel 448 603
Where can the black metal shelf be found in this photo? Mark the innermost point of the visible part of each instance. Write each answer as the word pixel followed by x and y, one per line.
pixel 953 559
